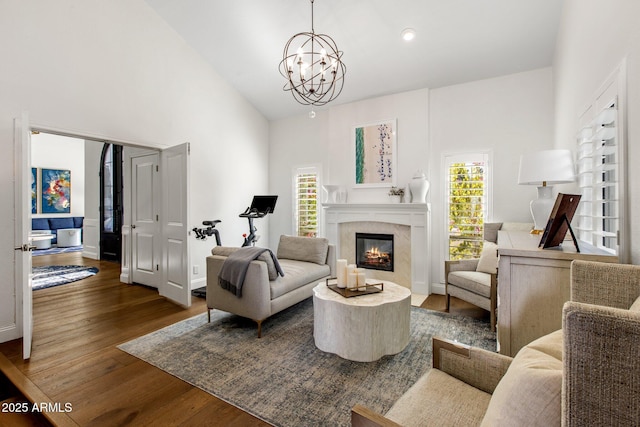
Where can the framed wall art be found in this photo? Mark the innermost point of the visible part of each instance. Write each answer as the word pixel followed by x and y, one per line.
pixel 55 190
pixel 34 190
pixel 375 154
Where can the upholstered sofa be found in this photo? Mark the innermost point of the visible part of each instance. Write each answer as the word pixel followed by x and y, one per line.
pixel 586 374
pixel 304 261
pixel 53 224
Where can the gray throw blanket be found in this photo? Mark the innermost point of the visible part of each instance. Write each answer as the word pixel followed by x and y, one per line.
pixel 235 267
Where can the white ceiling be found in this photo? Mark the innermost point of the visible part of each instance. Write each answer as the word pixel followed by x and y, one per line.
pixel 457 41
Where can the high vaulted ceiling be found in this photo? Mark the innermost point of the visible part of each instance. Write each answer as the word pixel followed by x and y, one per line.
pixel 457 41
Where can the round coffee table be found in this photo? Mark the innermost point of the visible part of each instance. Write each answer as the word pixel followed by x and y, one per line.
pixel 41 241
pixel 362 328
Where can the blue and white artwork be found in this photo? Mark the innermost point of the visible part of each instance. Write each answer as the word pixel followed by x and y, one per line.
pixel 34 191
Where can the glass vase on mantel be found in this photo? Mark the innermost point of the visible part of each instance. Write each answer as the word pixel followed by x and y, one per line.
pixel 419 187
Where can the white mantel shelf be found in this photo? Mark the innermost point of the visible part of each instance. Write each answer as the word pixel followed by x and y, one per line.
pixel 415 215
pixel 399 206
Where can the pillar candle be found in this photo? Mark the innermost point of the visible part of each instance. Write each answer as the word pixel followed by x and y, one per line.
pixel 351 269
pixel 362 278
pixel 341 272
pixel 352 280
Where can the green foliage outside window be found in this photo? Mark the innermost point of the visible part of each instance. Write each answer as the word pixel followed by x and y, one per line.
pixel 466 209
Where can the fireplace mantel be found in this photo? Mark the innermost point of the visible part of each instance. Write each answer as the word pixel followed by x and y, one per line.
pixel 415 215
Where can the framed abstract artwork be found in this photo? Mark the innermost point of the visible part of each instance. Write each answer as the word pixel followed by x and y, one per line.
pixel 56 190
pixel 375 154
pixel 34 190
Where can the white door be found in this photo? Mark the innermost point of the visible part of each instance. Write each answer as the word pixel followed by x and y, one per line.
pixel 175 230
pixel 22 215
pixel 145 226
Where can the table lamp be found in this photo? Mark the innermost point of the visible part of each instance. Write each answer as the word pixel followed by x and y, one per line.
pixel 543 169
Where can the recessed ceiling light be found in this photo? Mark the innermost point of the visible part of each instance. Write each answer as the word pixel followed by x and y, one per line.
pixel 408 34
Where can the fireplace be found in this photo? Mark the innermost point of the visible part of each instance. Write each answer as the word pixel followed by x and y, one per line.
pixel 374 251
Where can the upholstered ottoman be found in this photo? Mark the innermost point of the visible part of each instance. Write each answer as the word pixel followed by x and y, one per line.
pixel 68 237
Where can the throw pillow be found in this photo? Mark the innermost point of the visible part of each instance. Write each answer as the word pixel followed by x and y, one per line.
pixel 530 391
pixel 488 262
pixel 265 256
pixel 635 306
pixel 309 249
pixel 491 231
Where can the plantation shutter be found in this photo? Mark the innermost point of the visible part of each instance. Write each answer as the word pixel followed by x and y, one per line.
pixel 467 204
pixel 306 201
pixel 598 176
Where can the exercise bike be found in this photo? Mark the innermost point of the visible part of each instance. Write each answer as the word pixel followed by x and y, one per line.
pixel 203 233
pixel 260 207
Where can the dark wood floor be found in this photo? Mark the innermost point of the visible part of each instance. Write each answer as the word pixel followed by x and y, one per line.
pixel 75 360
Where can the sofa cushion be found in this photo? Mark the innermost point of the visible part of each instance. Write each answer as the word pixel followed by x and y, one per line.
pixel 40 224
pixel 474 281
pixel 439 396
pixel 296 274
pixel 78 221
pixel 636 305
pixel 310 249
pixel 530 391
pixel 59 223
pixel 488 262
pixel 227 250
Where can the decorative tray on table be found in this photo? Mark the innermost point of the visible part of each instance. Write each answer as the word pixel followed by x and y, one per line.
pixel 369 288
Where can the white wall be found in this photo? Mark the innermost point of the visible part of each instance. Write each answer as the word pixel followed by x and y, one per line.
pixel 328 140
pixel 117 71
pixel 58 152
pixel 506 116
pixel 594 38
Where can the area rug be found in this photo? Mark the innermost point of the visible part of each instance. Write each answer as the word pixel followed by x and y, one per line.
pixel 56 250
pixel 54 275
pixel 282 378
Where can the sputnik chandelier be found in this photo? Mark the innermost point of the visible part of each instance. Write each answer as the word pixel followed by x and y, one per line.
pixel 313 67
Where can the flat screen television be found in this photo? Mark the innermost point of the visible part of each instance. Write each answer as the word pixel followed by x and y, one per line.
pixel 560 221
pixel 266 204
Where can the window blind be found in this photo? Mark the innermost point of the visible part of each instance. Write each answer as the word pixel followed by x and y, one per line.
pixel 306 202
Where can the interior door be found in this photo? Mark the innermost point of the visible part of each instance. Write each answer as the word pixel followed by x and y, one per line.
pixel 22 215
pixel 145 230
pixel 175 230
pixel 111 202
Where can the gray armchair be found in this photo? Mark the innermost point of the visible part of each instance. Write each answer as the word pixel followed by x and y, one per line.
pixel 476 280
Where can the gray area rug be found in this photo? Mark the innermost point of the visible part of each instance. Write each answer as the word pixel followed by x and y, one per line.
pixel 282 378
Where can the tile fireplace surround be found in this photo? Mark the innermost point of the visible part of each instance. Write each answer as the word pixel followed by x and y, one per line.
pixel 414 215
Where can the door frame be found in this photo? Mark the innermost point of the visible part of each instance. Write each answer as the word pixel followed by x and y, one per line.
pixel 20 296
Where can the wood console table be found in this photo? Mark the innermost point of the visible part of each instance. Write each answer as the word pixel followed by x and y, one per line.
pixel 533 285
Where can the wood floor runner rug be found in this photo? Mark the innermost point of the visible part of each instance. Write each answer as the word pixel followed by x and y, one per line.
pixel 282 378
pixel 55 275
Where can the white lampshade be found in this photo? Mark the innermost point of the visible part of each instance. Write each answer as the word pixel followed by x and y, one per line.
pixel 542 168
pixel 550 166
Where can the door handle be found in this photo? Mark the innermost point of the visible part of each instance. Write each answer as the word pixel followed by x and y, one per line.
pixel 25 248
pixel 133 226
